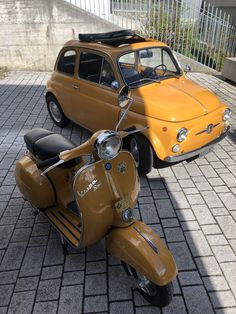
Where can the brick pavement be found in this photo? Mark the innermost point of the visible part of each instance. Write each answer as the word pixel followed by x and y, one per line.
pixel 191 205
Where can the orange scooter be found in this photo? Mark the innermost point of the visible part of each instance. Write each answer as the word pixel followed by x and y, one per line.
pixel 88 201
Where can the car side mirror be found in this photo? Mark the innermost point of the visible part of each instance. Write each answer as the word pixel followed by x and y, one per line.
pixel 187 68
pixel 124 96
pixel 115 85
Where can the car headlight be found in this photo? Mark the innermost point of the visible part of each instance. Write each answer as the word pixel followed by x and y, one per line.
pixel 182 134
pixel 227 114
pixel 108 145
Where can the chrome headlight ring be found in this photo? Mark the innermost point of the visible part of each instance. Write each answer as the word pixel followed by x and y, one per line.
pixel 108 145
pixel 182 134
pixel 227 114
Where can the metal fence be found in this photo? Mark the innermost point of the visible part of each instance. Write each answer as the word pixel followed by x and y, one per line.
pixel 191 27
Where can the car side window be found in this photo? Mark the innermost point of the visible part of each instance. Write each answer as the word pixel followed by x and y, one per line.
pixel 95 68
pixel 66 62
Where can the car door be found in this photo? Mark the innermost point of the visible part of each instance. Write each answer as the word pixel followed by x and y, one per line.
pixel 63 78
pixel 95 106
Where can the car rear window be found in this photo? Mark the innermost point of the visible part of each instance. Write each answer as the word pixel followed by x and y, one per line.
pixel 66 63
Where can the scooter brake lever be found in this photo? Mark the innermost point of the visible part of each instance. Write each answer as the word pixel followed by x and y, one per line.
pixel 52 167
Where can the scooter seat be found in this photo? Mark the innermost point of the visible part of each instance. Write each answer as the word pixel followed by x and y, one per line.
pixel 45 144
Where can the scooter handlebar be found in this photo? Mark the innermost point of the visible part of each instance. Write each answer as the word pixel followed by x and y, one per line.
pixel 48 162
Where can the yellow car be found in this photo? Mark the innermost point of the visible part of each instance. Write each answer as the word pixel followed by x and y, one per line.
pixel 183 119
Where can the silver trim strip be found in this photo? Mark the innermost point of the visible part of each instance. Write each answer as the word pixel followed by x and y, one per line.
pixel 152 245
pixel 196 152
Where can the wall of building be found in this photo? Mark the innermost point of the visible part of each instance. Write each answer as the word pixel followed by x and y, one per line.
pixel 32 32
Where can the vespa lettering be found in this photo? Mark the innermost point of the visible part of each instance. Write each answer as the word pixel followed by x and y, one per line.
pixel 94 185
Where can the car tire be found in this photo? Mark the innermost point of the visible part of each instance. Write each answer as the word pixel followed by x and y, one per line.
pixel 142 153
pixel 55 112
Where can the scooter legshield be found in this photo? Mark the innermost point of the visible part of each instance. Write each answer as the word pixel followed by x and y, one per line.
pixel 139 246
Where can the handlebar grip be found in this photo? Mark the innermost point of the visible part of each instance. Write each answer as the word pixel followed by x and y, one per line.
pixel 48 162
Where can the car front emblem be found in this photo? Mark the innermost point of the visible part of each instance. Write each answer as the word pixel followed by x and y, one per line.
pixel 209 128
pixel 122 167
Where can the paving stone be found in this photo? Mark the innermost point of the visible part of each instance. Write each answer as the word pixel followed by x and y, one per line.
pixel 159 194
pixel 214 283
pixel 147 309
pixel 185 214
pixel 224 253
pixel 208 266
pixel 41 229
pixel 95 303
pixel 217 239
pixel 73 278
pixel 156 183
pixel 179 200
pixel 203 186
pixel 21 235
pixel 48 290
pixel 95 284
pixel 197 300
pixel 45 307
pixel 229 200
pixel 121 308
pixel 208 171
pixel 32 262
pixel 170 222
pixel 5 235
pixel 220 298
pixel 97 251
pixel 198 243
pixel 182 256
pixel 176 306
pixel 229 179
pixel 195 199
pixel 25 223
pixel 27 283
pixel 211 229
pixel 5 294
pixel 229 270
pixel 71 300
pixel 54 253
pixel 38 241
pixel 189 278
pixel 51 272
pixel 96 267
pixel 149 213
pixel 75 262
pixel 190 225
pixel 7 277
pixel 165 208
pixel 119 284
pixel 13 256
pixel 22 302
pixel 228 226
pixel 174 234
pixel 225 310
pixel 203 214
pixel 3 309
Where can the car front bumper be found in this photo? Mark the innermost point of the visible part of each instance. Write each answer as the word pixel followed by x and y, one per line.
pixel 200 151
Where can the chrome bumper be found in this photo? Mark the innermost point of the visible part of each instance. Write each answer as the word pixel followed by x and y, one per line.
pixel 201 150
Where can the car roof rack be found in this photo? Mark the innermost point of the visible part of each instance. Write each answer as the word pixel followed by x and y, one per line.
pixel 116 38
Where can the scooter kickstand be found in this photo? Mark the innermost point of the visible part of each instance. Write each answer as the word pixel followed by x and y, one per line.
pixel 64 245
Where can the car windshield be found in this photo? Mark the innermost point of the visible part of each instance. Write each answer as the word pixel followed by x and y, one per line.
pixel 148 65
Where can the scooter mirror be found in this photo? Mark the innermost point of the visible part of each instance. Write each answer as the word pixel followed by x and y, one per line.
pixel 124 96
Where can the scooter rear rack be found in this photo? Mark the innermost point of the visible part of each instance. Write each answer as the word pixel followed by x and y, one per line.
pixel 67 223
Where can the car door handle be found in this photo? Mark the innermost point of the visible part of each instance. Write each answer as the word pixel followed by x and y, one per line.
pixel 75 86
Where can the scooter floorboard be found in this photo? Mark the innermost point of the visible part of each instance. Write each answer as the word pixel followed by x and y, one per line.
pixel 67 223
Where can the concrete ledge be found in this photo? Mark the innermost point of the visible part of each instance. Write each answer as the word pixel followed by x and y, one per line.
pixel 229 69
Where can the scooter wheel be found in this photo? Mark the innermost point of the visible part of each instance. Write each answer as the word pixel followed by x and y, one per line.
pixel 157 295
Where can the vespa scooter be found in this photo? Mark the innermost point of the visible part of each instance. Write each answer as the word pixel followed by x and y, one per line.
pixel 88 201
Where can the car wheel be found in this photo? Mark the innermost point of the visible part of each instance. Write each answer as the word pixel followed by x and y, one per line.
pixel 55 112
pixel 142 153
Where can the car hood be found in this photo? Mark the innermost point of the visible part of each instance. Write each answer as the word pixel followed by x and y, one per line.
pixel 174 100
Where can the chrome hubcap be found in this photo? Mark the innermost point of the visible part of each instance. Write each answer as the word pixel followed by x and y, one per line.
pixel 146 285
pixel 55 111
pixel 134 150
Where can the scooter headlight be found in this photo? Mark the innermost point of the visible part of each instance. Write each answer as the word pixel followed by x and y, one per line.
pixel 182 134
pixel 108 145
pixel 227 114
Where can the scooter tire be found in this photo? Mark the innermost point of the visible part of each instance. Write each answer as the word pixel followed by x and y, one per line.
pixel 162 297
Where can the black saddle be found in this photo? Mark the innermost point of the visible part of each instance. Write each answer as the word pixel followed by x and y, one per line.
pixel 45 144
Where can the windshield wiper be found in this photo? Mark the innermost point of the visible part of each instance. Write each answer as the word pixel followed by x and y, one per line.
pixel 144 79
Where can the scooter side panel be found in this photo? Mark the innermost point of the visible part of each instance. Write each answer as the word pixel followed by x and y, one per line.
pixel 139 246
pixel 36 188
pixel 97 187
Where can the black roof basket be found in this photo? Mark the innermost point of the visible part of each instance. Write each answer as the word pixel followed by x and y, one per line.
pixel 116 38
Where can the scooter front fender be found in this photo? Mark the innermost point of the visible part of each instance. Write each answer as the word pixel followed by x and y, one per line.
pixel 139 246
